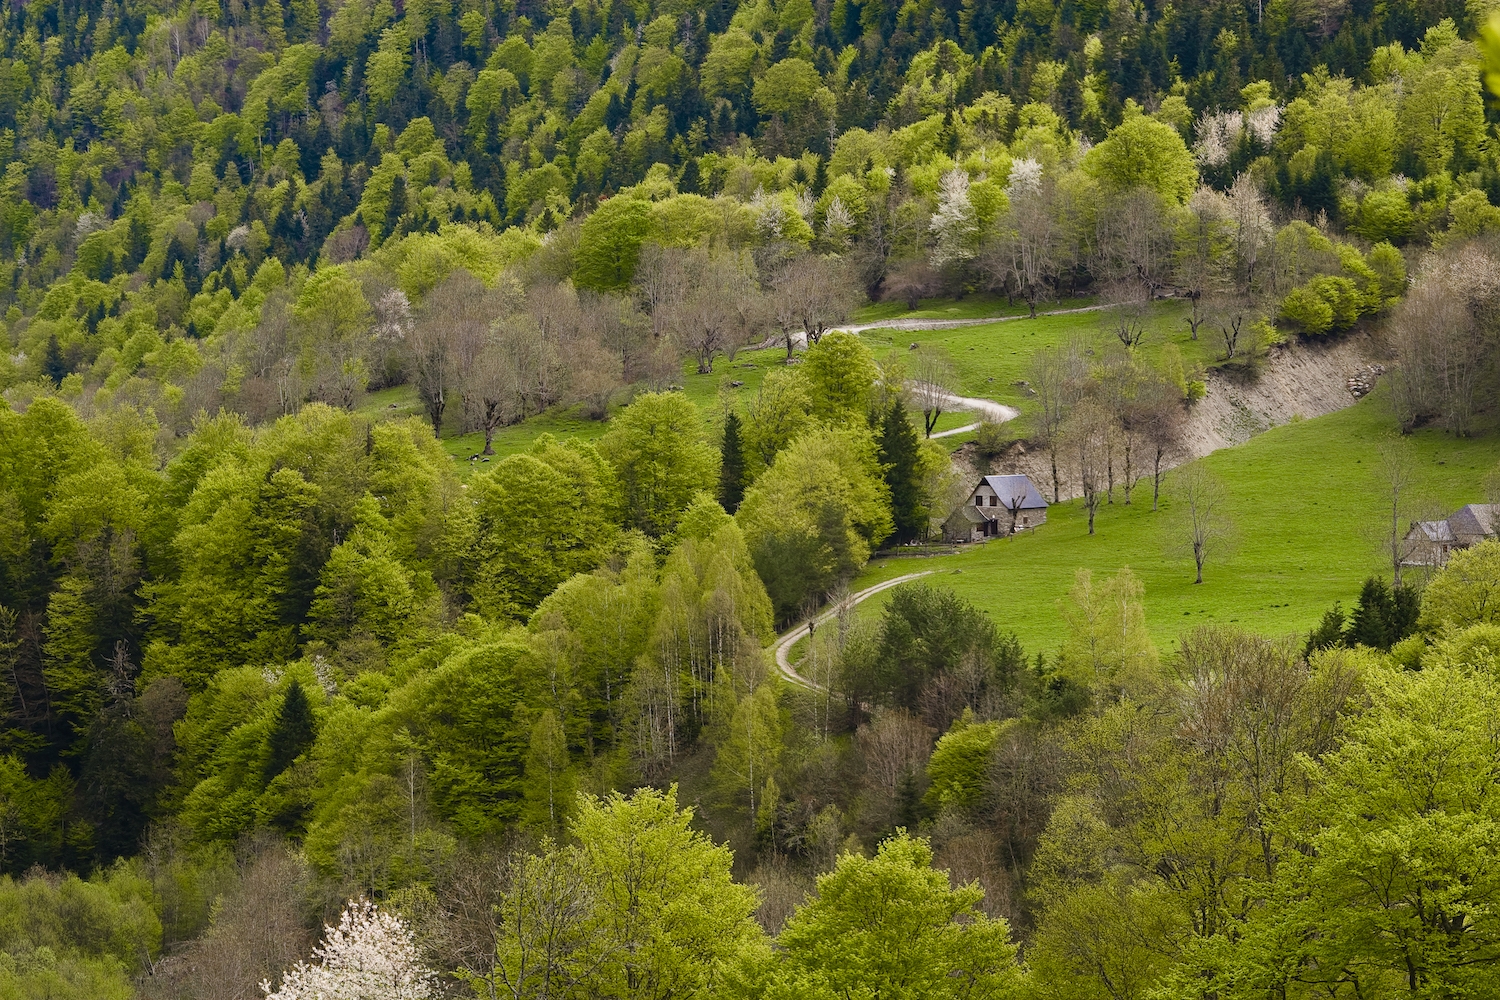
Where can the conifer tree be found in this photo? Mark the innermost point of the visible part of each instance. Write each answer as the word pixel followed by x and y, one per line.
pixel 53 365
pixel 902 462
pixel 294 731
pixel 732 465
pixel 1370 624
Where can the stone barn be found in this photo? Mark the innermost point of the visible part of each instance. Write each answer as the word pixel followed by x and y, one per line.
pixel 1430 543
pixel 998 505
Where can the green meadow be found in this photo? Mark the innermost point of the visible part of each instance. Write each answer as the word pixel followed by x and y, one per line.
pixel 1306 503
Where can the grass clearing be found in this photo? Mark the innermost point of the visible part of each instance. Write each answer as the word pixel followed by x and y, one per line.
pixel 991 358
pixel 969 307
pixel 1305 500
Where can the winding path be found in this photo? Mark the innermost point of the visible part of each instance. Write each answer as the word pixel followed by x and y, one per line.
pixel 799 339
pixel 988 408
pixel 783 645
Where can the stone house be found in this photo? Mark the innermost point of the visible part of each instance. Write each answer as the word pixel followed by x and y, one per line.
pixel 1430 543
pixel 998 505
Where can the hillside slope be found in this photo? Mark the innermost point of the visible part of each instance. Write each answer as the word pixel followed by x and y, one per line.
pixel 1297 381
pixel 1306 504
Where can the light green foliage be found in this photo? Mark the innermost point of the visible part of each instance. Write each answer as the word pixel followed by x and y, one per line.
pixel 661 457
pixel 388 64
pixel 548 781
pixel 250 513
pixel 422 261
pixel 227 742
pixel 364 588
pixel 1143 152
pixel 892 926
pixel 840 375
pixel 1107 644
pixel 1323 305
pixel 1467 591
pixel 1407 796
pixel 642 904
pixel 603 620
pixel 171 248
pixel 749 748
pixel 816 515
pixel 540 518
pixel 466 719
pixel 32 814
pixel 778 414
pixel 786 86
pixel 610 243
pixel 72 939
pixel 1384 215
pixel 959 767
pixel 331 305
pixel 705 645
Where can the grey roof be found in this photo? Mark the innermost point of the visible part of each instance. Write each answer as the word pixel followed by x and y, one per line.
pixel 1477 520
pixel 1432 531
pixel 971 514
pixel 1007 488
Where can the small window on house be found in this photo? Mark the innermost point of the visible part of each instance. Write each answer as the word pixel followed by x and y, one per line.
pixel 1025 519
pixel 992 501
pixel 978 500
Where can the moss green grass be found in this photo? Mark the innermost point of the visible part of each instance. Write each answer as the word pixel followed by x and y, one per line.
pixel 968 307
pixel 1306 503
pixel 991 358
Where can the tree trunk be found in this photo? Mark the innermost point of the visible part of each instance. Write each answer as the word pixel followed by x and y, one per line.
pixel 1056 488
pixel 1156 482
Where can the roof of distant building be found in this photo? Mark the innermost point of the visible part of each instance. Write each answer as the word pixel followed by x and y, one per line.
pixel 972 514
pixel 1475 519
pixel 1007 488
pixel 1435 531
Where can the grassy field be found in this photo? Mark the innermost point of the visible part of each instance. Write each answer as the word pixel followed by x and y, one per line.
pixel 1306 505
pixel 1306 500
pixel 968 307
pixel 992 357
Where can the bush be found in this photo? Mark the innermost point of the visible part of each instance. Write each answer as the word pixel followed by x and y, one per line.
pixel 992 439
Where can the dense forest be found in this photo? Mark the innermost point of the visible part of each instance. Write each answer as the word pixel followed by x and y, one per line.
pixel 272 660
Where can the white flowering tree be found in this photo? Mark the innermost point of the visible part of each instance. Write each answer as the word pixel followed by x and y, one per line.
pixel 370 955
pixel 955 225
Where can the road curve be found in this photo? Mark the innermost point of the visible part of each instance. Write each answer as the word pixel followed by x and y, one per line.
pixel 783 645
pixel 989 409
pixel 799 339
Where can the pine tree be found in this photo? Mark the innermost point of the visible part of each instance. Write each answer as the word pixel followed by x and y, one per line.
pixel 1329 633
pixel 53 365
pixel 1370 624
pixel 1406 608
pixel 294 731
pixel 732 465
pixel 902 462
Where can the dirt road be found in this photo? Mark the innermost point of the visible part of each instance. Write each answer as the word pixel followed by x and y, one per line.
pixel 783 645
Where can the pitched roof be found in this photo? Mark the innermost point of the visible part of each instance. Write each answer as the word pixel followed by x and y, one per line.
pixel 1475 520
pixel 1433 531
pixel 971 514
pixel 1007 488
